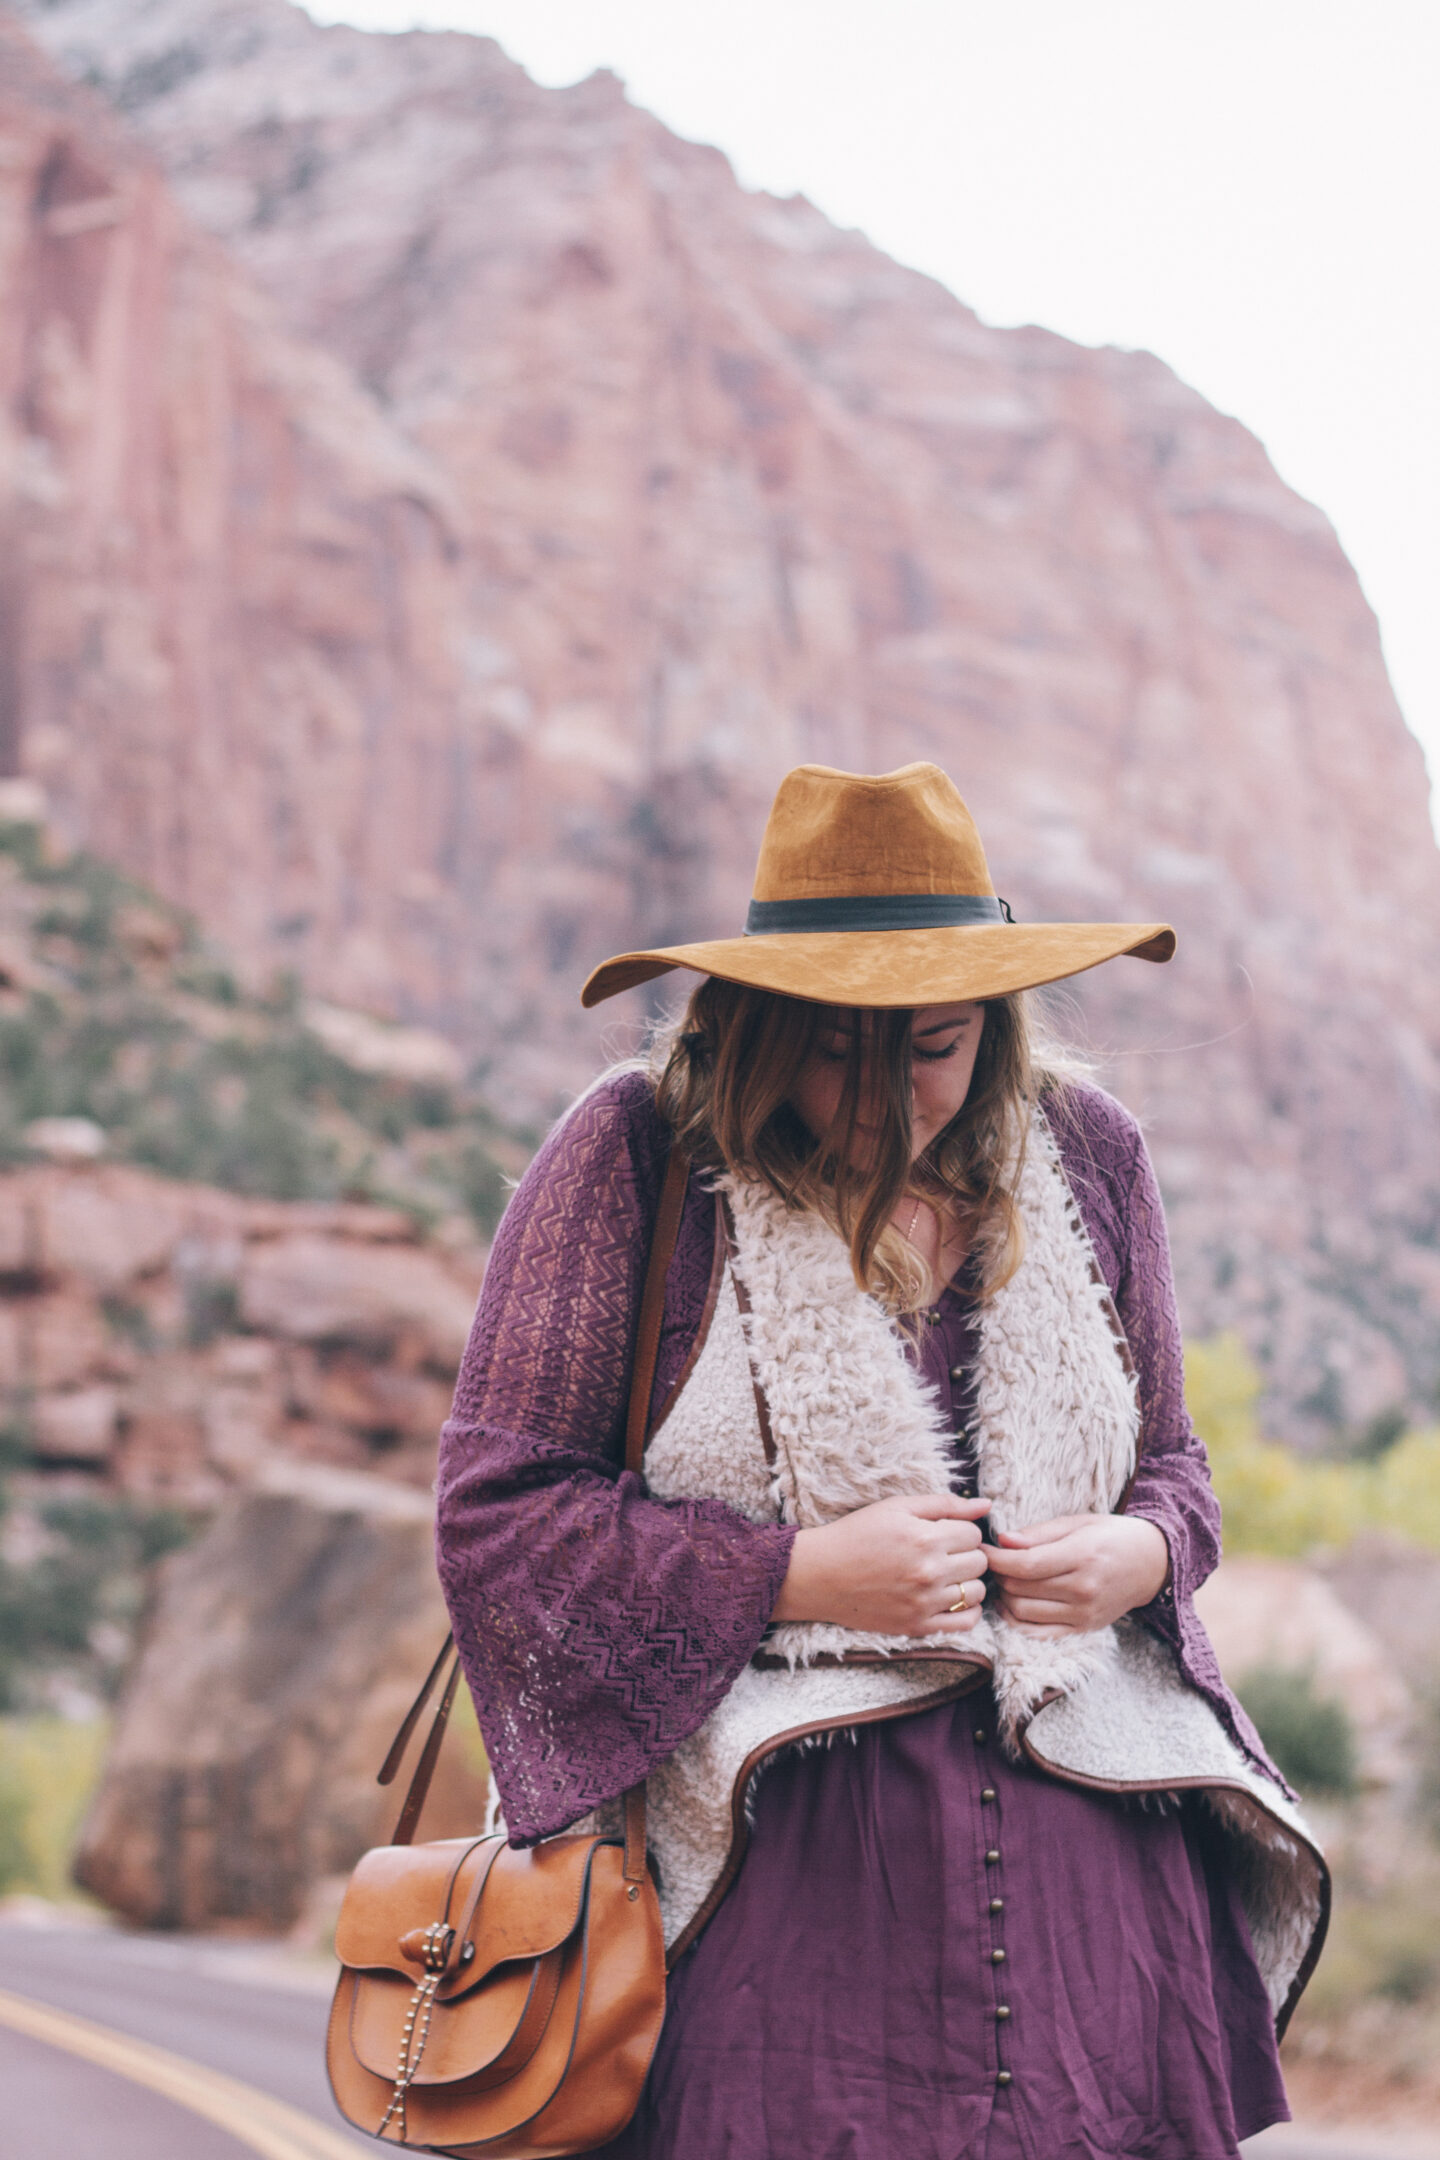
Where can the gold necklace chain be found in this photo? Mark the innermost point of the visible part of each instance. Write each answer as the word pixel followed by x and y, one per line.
pixel 947 1230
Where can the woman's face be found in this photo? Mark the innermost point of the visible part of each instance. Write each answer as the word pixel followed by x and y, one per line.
pixel 944 1041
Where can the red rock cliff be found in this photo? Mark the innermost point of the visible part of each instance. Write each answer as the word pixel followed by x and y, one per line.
pixel 443 619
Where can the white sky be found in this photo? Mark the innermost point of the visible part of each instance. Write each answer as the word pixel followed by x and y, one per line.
pixel 1250 188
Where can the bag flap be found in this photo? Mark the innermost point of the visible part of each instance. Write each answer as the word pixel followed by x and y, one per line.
pixel 394 1890
pixel 530 1904
pixel 494 2028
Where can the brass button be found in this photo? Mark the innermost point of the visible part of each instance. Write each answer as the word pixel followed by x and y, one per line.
pixel 987 1792
pixel 991 1857
pixel 967 1492
pixel 997 1904
pixel 957 1372
pixel 997 1957
pixel 1002 2077
pixel 1002 2011
pixel 979 1732
pixel 932 1319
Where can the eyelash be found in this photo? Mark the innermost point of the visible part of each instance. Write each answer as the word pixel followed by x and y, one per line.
pixel 924 1057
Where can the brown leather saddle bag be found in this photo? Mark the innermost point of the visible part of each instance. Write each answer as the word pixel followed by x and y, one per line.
pixel 493 2001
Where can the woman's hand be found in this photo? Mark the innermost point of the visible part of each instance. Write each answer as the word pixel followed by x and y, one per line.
pixel 1077 1572
pixel 894 1568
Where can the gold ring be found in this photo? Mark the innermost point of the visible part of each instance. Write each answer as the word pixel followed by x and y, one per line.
pixel 962 1603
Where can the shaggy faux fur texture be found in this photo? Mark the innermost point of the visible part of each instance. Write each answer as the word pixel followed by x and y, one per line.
pixel 852 1423
pixel 1056 1412
pixel 710 1442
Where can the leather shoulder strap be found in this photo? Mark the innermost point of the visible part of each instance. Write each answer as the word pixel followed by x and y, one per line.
pixel 642 1387
pixel 637 1422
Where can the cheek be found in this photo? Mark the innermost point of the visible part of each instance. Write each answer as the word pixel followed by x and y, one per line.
pixel 940 1090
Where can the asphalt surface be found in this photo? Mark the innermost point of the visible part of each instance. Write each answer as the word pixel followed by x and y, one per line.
pixel 259 2019
pixel 215 2005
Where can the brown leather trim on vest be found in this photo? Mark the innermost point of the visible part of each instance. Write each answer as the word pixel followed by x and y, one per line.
pixel 742 1299
pixel 739 1824
pixel 831 1660
pixel 1127 1358
pixel 712 1298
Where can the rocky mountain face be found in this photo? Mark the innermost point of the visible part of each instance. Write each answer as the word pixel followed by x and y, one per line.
pixel 282 1653
pixel 441 507
pixel 180 1342
pixel 125 1033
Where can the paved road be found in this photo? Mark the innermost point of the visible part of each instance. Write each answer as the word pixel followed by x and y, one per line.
pixel 214 2005
pixel 245 2016
pixel 1292 2141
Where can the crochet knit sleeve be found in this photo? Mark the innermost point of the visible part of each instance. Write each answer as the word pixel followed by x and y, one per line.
pixel 1114 1182
pixel 1172 1485
pixel 597 1627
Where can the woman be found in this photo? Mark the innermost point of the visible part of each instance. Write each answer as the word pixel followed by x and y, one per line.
pixel 919 1483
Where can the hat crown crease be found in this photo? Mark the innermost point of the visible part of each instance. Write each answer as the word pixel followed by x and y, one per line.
pixel 833 834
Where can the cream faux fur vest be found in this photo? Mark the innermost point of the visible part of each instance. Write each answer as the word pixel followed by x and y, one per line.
pixel 851 1423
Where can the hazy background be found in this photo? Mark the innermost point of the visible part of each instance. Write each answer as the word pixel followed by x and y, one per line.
pixel 1252 191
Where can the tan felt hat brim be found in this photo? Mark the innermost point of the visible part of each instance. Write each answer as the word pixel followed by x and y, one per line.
pixel 895 967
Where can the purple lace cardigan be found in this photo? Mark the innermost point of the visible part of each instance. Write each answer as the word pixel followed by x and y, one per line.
pixel 599 1627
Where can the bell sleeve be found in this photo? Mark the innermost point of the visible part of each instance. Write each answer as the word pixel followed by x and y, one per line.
pixel 1172 1487
pixel 597 1627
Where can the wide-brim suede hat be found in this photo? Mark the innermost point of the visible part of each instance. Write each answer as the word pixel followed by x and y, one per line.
pixel 873 889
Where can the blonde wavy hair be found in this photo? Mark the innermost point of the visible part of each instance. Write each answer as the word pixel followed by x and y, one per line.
pixel 724 1075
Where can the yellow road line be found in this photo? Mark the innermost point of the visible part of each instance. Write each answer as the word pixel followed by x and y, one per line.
pixel 251 2117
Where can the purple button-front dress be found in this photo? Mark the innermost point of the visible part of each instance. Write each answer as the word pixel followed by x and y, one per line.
pixel 930 1953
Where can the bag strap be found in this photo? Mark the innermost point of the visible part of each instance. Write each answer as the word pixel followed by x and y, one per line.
pixel 652 1306
pixel 637 1421
pixel 430 1754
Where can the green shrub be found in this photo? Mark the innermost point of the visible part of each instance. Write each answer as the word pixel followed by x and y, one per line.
pixel 190 1074
pixel 1277 1501
pixel 86 1590
pixel 17 1863
pixel 49 1767
pixel 482 1187
pixel 17 1444
pixel 1384 1942
pixel 1380 1434
pixel 1309 1734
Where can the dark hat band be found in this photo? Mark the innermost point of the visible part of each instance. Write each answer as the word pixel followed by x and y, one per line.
pixel 873 911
